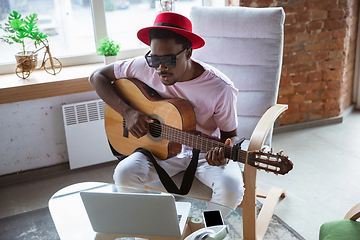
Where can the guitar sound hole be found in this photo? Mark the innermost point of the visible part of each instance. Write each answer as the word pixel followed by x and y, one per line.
pixel 155 129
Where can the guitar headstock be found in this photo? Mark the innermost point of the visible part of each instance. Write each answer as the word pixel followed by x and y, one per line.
pixel 270 162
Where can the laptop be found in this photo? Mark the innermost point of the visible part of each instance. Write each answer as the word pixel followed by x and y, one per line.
pixel 136 213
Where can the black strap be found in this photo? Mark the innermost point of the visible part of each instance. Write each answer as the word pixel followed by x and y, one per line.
pixel 166 180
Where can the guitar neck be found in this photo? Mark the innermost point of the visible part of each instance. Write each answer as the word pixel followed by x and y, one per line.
pixel 203 144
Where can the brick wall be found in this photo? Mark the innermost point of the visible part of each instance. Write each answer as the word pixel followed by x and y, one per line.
pixel 319 55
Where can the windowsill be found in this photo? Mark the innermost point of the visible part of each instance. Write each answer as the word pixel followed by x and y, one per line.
pixel 40 84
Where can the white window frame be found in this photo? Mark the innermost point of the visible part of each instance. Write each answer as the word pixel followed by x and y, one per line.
pixel 99 21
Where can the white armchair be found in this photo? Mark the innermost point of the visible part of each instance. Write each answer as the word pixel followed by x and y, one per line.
pixel 246 44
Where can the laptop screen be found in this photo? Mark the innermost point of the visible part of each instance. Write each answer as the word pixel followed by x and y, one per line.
pixel 136 213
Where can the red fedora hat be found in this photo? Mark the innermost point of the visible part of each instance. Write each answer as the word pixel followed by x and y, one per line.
pixel 176 23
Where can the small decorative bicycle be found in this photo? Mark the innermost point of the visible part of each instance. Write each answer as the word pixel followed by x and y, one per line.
pixel 51 64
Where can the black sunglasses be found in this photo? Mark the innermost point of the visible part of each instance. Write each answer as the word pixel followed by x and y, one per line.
pixel 168 61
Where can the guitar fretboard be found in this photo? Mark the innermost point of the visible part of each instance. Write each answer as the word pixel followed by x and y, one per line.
pixel 192 140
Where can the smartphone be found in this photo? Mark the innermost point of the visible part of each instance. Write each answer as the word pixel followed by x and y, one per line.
pixel 212 218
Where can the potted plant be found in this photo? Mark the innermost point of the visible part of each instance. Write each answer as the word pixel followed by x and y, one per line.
pixel 23 31
pixel 109 49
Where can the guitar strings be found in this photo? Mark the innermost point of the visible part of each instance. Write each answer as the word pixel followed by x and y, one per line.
pixel 179 136
pixel 198 142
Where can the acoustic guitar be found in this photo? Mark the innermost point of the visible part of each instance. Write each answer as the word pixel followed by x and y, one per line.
pixel 174 125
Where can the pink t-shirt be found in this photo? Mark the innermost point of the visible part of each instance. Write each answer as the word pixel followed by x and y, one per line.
pixel 212 94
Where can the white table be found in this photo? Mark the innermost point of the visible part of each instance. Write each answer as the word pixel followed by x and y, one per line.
pixel 71 220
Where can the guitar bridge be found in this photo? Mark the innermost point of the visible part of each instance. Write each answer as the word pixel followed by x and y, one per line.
pixel 125 129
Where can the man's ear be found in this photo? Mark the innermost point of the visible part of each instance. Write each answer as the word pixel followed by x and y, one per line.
pixel 189 53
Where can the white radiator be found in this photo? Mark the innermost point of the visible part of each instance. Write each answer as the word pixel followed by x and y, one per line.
pixel 86 139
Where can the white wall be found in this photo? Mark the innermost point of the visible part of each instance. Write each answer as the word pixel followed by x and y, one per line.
pixel 32 132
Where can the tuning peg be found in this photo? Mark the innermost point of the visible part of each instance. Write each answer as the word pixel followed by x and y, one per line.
pixel 280 153
pixel 271 150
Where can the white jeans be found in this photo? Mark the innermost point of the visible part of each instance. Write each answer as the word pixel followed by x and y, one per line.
pixel 225 181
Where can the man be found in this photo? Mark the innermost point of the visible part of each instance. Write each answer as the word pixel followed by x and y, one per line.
pixel 169 69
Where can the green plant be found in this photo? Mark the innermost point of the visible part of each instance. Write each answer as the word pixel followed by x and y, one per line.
pixel 21 29
pixel 108 47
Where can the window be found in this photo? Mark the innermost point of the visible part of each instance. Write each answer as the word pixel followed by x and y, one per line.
pixel 75 25
pixel 68 25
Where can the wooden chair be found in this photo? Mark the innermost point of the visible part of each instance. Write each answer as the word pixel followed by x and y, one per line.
pixel 246 44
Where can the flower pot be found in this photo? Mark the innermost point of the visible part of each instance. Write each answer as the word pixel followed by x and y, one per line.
pixel 109 59
pixel 26 63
